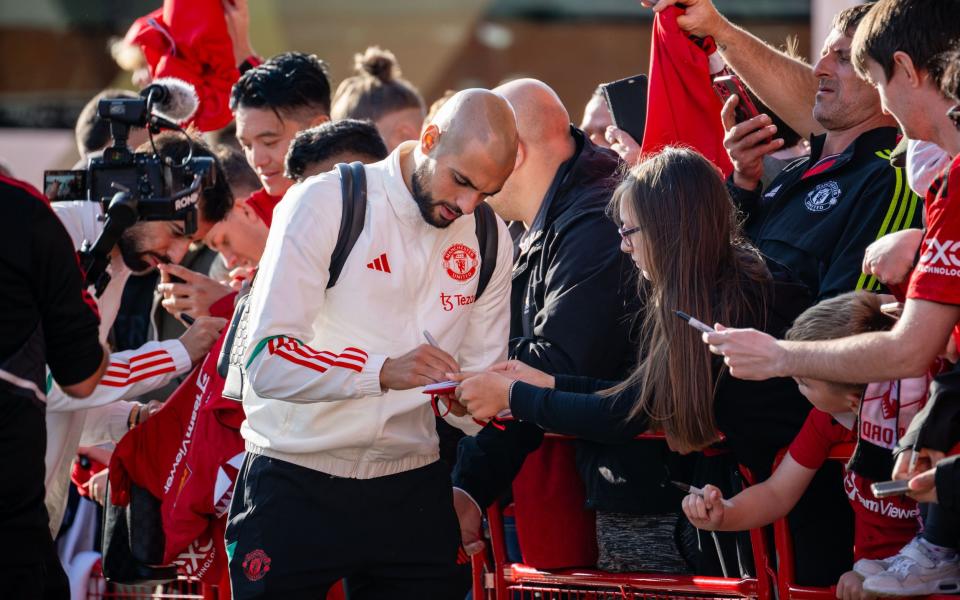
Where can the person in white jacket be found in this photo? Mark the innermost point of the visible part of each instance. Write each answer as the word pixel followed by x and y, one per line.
pixel 342 475
pixel 108 413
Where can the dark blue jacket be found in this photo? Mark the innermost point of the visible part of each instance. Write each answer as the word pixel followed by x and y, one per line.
pixel 817 220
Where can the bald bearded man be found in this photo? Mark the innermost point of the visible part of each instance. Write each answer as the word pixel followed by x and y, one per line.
pixel 342 477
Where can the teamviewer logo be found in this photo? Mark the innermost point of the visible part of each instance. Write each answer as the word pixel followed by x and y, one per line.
pixel 940 257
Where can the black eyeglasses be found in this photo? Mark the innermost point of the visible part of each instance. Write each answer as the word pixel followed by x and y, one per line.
pixel 625 235
pixel 954 115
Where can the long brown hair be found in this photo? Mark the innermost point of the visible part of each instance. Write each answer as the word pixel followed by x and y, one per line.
pixel 698 262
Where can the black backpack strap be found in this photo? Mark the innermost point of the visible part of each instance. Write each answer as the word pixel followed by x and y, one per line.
pixel 488 237
pixel 353 190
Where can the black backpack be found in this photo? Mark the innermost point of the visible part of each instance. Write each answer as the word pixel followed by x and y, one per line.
pixel 353 188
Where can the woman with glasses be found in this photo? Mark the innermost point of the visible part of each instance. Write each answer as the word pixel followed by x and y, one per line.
pixel 682 232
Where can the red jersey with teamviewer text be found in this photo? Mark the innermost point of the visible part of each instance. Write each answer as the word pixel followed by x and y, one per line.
pixel 881 525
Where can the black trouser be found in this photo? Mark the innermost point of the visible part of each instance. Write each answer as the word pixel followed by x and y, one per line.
pixel 293 532
pixel 29 567
pixel 941 526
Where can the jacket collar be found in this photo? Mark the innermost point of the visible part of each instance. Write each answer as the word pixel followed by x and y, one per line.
pixel 866 145
pixel 555 200
pixel 398 196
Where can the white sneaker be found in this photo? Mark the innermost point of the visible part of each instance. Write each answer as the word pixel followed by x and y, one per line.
pixel 916 571
pixel 865 567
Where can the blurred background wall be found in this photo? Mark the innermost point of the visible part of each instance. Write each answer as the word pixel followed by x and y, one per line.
pixel 55 53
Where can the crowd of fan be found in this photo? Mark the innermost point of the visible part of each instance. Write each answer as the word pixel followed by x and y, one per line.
pixel 832 231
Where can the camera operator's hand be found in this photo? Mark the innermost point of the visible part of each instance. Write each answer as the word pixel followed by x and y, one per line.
pixel 200 337
pixel 194 296
pixel 237 15
pixel 421 366
pixel 747 143
pixel 623 144
pixel 701 17
pixel 890 258
pixel 470 519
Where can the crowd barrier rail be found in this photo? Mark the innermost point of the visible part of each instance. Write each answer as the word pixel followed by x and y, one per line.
pixel 496 578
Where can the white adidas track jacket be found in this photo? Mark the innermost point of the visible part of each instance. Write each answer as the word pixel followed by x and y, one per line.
pixel 313 355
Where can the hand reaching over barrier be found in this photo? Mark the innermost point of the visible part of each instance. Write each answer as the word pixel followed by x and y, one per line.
pixel 749 353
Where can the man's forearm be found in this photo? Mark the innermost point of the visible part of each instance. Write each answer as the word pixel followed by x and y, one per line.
pixel 790 94
pixel 864 358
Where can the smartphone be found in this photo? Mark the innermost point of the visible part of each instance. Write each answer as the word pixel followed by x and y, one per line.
pixel 885 489
pixel 627 101
pixel 60 186
pixel 696 324
pixel 441 388
pixel 728 85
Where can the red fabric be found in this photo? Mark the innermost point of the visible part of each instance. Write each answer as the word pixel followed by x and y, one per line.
pixel 223 307
pixel 881 526
pixel 937 276
pixel 80 476
pixel 555 530
pixel 682 108
pixel 187 454
pixel 188 39
pixel 263 204
pixel 822 165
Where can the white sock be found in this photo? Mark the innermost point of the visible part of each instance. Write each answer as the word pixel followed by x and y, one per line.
pixel 940 552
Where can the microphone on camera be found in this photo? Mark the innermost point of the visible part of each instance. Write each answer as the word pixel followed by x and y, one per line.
pixel 171 98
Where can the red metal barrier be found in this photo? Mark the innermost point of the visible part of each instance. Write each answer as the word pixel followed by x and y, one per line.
pixel 787 588
pixel 99 588
pixel 503 580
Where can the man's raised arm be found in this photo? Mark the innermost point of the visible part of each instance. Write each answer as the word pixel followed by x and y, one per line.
pixel 785 84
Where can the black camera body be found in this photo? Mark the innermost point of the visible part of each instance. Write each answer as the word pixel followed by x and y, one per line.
pixel 132 186
pixel 153 183
pixel 156 186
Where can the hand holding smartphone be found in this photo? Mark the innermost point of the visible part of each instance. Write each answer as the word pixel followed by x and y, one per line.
pixel 729 85
pixel 627 100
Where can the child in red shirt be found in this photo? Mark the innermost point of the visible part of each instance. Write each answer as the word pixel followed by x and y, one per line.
pixel 882 526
